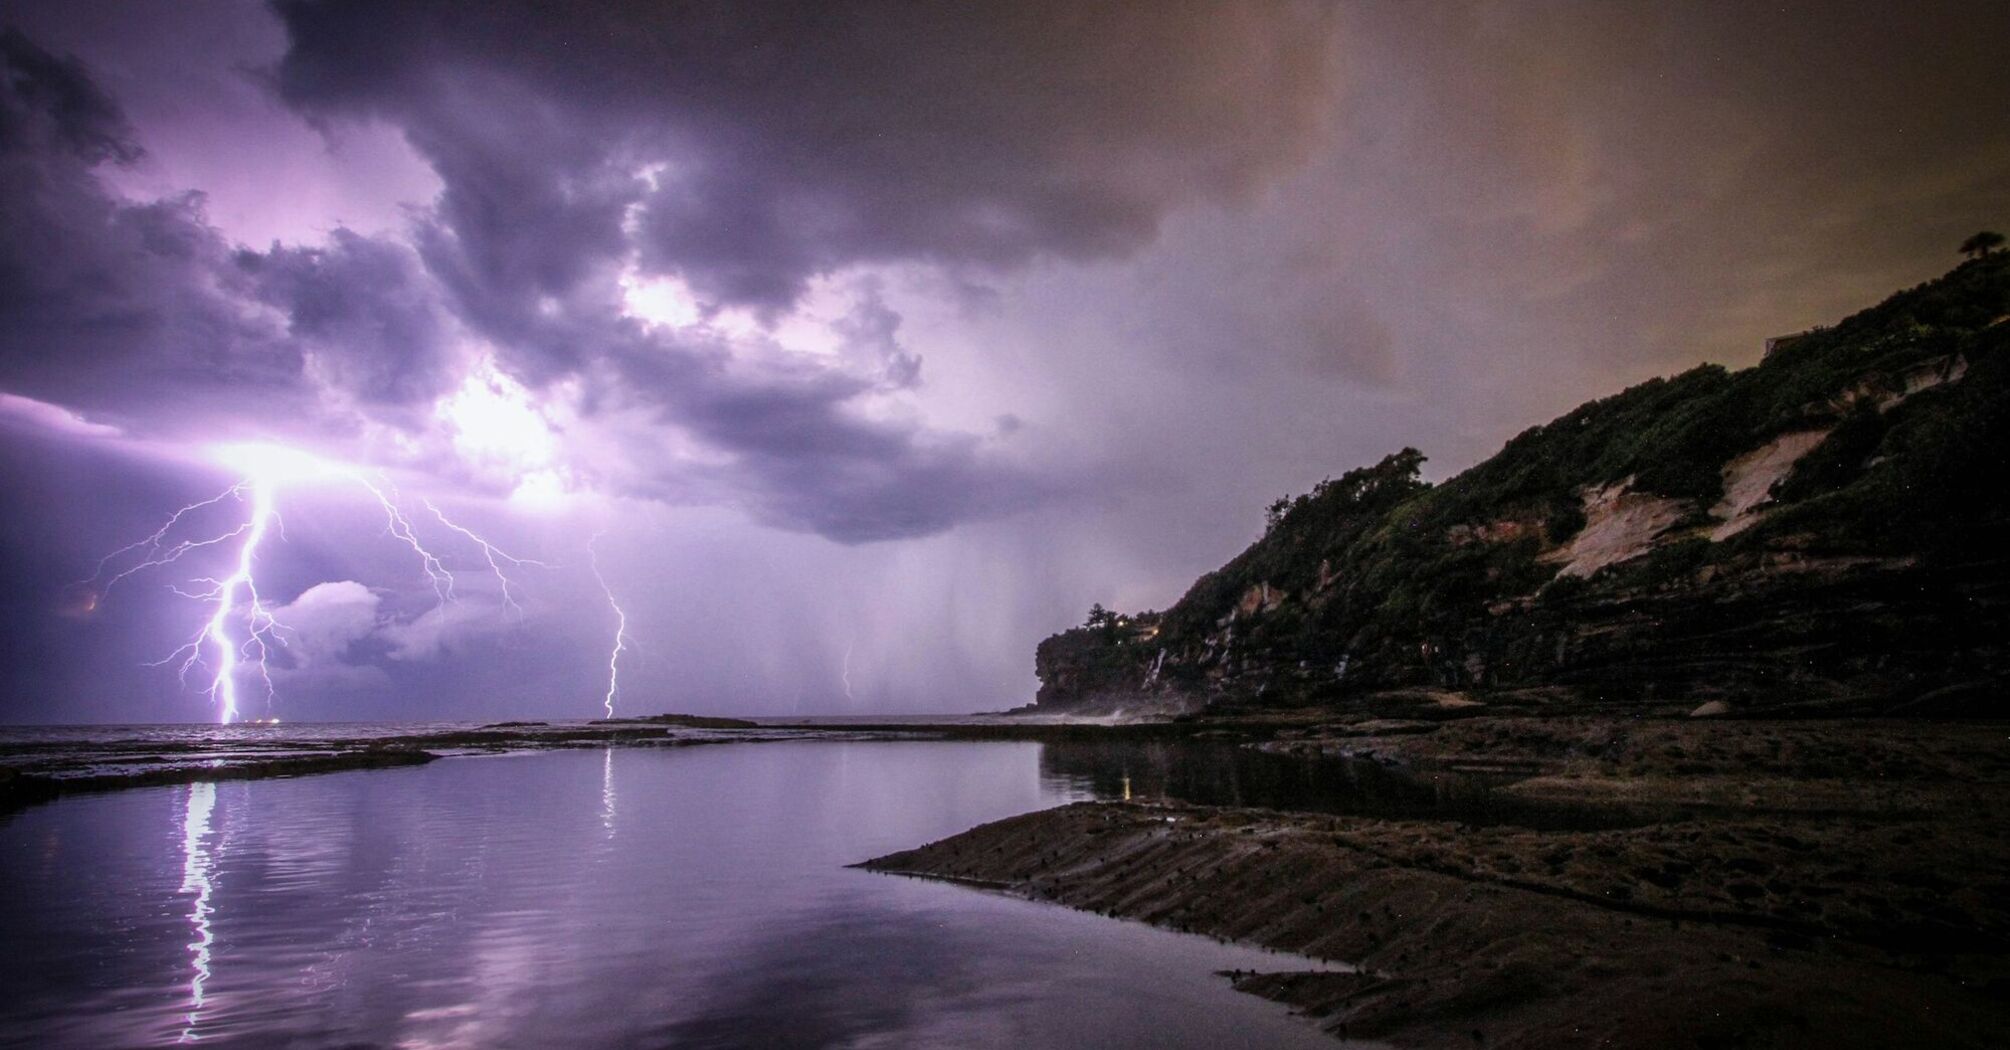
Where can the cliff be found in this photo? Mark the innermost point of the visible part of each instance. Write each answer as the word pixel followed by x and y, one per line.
pixel 1821 531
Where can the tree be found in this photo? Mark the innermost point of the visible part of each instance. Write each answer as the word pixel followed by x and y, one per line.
pixel 1101 619
pixel 1274 514
pixel 1982 244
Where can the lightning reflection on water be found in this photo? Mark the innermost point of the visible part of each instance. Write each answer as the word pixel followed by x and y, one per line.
pixel 197 867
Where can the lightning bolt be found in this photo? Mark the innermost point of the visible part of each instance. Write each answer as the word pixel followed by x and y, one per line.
pixel 260 629
pixel 156 555
pixel 620 625
pixel 397 527
pixel 494 555
pixel 235 600
pixel 844 673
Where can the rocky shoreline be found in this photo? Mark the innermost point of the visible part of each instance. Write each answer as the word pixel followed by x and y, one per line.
pixel 54 763
pixel 1820 884
pixel 1616 881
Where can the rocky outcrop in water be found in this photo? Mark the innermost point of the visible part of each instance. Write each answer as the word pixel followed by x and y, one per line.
pixel 1820 532
pixel 1637 882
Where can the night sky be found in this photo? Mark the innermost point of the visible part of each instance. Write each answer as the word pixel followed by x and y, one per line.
pixel 875 342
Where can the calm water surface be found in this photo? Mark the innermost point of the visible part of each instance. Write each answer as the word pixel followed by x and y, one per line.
pixel 634 897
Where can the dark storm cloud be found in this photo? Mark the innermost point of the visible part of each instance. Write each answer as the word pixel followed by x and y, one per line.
pixel 795 139
pixel 103 304
pixel 749 149
pixel 370 310
pixel 145 313
pixel 856 481
pixel 1658 181
pixel 52 96
pixel 800 450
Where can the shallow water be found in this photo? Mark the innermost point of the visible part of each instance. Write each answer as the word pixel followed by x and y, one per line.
pixel 636 897
pixel 1225 774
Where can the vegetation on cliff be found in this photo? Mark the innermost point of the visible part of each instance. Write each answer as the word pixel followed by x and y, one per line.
pixel 1815 528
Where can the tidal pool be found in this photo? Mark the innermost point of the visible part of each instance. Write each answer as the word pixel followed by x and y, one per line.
pixel 629 897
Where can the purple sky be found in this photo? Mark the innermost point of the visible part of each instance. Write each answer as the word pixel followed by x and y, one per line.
pixel 877 341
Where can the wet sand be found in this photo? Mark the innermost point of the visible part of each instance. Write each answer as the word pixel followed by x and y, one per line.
pixel 1818 884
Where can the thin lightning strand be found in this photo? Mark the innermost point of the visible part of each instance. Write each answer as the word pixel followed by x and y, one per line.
pixel 844 673
pixel 620 625
pixel 156 556
pixel 399 527
pixel 396 526
pixel 494 555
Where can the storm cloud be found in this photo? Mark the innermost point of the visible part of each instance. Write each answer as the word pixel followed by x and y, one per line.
pixel 754 147
pixel 883 338
pixel 748 152
pixel 744 152
pixel 146 316
pixel 102 302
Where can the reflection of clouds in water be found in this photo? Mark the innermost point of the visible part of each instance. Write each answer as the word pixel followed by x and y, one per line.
pixel 197 864
pixel 528 962
pixel 504 969
pixel 821 967
pixel 489 902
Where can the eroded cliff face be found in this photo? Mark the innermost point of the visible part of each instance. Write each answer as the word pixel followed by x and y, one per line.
pixel 1822 530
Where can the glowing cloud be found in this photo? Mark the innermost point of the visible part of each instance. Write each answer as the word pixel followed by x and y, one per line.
pixel 497 428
